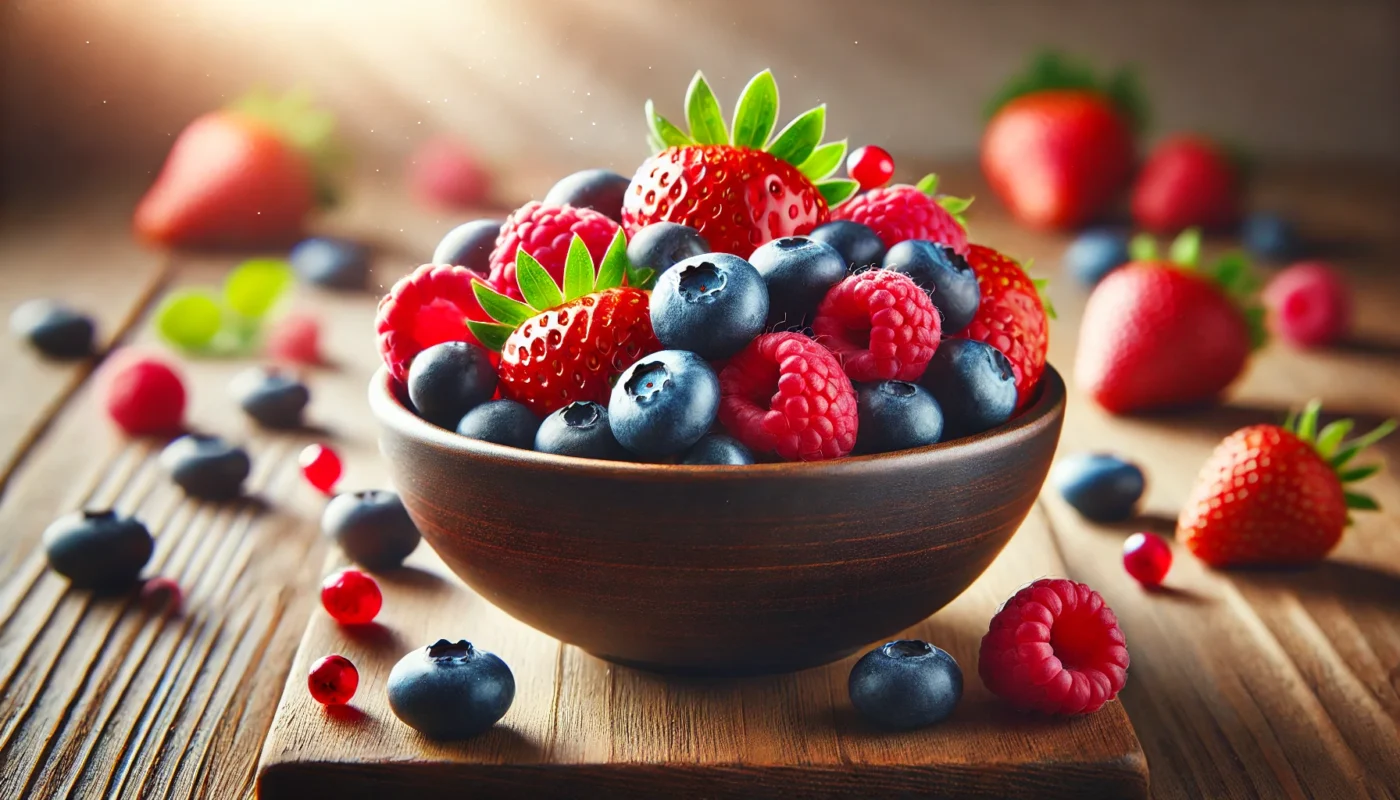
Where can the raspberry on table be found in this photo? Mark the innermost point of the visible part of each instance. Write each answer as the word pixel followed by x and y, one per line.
pixel 428 307
pixel 143 394
pixel 1054 647
pixel 545 232
pixel 880 325
pixel 786 394
pixel 295 339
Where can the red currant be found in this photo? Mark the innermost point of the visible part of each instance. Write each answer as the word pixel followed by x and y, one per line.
pixel 1147 557
pixel 321 466
pixel 162 593
pixel 351 597
pixel 870 166
pixel 333 680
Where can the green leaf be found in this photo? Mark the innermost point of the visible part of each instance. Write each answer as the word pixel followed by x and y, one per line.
pixel 1359 474
pixel 504 310
pixel 928 184
pixel 702 113
pixel 641 277
pixel 1331 437
pixel 1361 502
pixel 1042 285
pixel 615 264
pixel 756 112
pixel 189 318
pixel 801 136
pixel 837 190
pixel 654 144
pixel 255 286
pixel 492 336
pixel 663 131
pixel 1355 446
pixel 1143 248
pixel 824 161
pixel 956 207
pixel 1051 70
pixel 578 270
pixel 1125 90
pixel 536 285
pixel 1186 249
pixel 1307 421
pixel 1290 422
pixel 1233 273
pixel 1254 322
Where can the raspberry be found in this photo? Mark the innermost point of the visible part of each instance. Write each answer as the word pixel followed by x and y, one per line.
pixel 295 339
pixel 902 212
pixel 786 394
pixel 143 394
pixel 1054 647
pixel 444 174
pixel 428 307
pixel 1309 305
pixel 880 325
pixel 545 232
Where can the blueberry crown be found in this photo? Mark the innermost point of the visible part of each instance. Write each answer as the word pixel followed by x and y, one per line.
pixel 1329 444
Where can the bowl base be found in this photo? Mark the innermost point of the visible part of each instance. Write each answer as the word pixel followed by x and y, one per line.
pixel 742 670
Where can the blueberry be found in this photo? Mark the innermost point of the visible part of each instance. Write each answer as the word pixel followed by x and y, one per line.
pixel 906 684
pixel 206 467
pixel 973 384
pixel 895 415
pixel 716 448
pixel 372 528
pixel 662 245
pixel 53 329
pixel 469 245
pixel 1270 236
pixel 1102 487
pixel 1095 253
pixel 798 272
pixel 98 549
pixel 860 246
pixel 273 399
pixel 712 305
pixel 447 380
pixel 501 422
pixel 450 691
pixel 332 262
pixel 944 275
pixel 580 429
pixel 599 189
pixel 664 403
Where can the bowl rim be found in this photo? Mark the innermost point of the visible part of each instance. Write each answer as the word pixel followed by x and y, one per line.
pixel 393 415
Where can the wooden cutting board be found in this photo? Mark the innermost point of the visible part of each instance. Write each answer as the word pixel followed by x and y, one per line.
pixel 583 727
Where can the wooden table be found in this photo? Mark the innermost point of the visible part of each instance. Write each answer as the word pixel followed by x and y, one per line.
pixel 1244 684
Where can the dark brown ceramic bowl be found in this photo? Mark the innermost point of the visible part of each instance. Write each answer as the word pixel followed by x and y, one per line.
pixel 764 568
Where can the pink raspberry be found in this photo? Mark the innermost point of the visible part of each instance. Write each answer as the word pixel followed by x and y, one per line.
pixel 428 307
pixel 1054 647
pixel 545 231
pixel 902 212
pixel 444 173
pixel 1309 305
pixel 786 394
pixel 295 339
pixel 881 326
pixel 143 394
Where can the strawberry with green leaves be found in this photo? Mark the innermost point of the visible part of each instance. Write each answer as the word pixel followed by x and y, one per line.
pixel 1278 495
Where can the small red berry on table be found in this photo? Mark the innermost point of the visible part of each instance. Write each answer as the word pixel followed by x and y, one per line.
pixel 143 394
pixel 333 680
pixel 870 166
pixel 1147 557
pixel 321 466
pixel 162 593
pixel 351 597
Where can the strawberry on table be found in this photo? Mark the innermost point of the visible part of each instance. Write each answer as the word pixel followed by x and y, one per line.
pixel 1187 181
pixel 902 212
pixel 1011 316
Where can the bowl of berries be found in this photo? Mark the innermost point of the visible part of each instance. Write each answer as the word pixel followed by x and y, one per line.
pixel 729 416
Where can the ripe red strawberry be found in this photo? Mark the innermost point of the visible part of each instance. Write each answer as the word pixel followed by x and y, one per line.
pixel 1012 317
pixel 1162 333
pixel 741 190
pixel 902 212
pixel 1059 145
pixel 545 231
pixel 246 175
pixel 1188 180
pixel 1277 495
pixel 560 346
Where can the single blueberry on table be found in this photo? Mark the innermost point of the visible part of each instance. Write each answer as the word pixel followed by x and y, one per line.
pixel 895 415
pixel 906 684
pixel 469 245
pixel 661 245
pixel 450 690
pixel 98 549
pixel 1095 253
pixel 273 399
pixel 599 189
pixel 712 305
pixel 53 329
pixel 798 272
pixel 447 380
pixel 206 467
pixel 331 262
pixel 973 384
pixel 944 275
pixel 372 528
pixel 1102 487
pixel 501 422
pixel 859 245
pixel 664 403
pixel 718 449
pixel 1270 236
pixel 580 429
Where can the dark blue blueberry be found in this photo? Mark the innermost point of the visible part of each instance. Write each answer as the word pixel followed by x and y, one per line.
pixel 599 189
pixel 273 399
pixel 53 329
pixel 1270 236
pixel 1102 487
pixel 1095 253
pixel 716 448
pixel 501 422
pixel 450 690
pixel 895 415
pixel 713 305
pixel 944 275
pixel 580 429
pixel 973 384
pixel 98 549
pixel 664 403
pixel 372 528
pixel 798 272
pixel 331 262
pixel 206 467
pixel 906 684
pixel 860 246
pixel 447 380
pixel 469 245
pixel 662 245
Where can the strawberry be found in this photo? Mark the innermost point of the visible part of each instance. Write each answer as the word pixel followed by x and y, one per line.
pixel 1272 495
pixel 739 190
pixel 902 212
pixel 1059 143
pixel 545 231
pixel 1187 181
pixel 567 344
pixel 243 176
pixel 1012 317
pixel 1159 333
